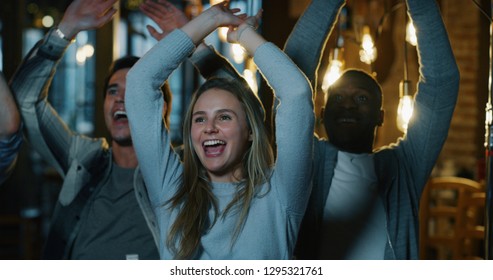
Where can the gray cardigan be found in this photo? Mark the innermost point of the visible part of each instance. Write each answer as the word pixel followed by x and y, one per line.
pixel 402 168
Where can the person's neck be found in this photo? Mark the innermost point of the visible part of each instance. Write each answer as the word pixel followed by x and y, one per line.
pixel 124 156
pixel 355 149
pixel 227 177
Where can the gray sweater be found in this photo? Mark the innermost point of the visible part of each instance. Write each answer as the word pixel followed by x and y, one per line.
pixel 271 228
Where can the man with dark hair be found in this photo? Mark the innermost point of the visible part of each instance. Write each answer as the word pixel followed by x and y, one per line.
pixel 97 213
pixel 103 211
pixel 365 202
pixel 347 131
pixel 127 62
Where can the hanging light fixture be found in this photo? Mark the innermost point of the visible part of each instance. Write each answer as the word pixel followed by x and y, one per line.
pixel 193 8
pixel 251 79
pixel 336 65
pixel 411 33
pixel 250 75
pixel 406 102
pixel 406 105
pixel 222 33
pixel 238 53
pixel 368 51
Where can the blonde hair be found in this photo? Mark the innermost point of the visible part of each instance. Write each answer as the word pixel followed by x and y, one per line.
pixel 194 198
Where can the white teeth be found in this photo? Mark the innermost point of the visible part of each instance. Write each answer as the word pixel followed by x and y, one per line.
pixel 346 120
pixel 214 142
pixel 119 114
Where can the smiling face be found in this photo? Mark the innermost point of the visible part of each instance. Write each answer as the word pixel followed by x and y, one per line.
pixel 220 134
pixel 353 112
pixel 115 115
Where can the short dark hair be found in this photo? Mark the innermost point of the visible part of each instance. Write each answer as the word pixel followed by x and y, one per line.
pixel 121 63
pixel 371 84
pixel 127 62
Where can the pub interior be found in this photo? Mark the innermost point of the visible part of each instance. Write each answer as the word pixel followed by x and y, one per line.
pixel 452 213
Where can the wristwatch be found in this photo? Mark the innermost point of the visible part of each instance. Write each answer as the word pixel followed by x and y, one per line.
pixel 60 34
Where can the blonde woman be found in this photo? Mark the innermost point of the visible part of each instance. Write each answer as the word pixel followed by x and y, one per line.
pixel 228 199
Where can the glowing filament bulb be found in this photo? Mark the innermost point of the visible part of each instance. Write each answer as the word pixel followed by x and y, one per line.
pixel 368 51
pixel 334 69
pixel 333 73
pixel 405 108
pixel 238 53
pixel 249 76
pixel 222 33
pixel 411 34
pixel 404 112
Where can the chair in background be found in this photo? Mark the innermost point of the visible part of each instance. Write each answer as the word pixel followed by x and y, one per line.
pixel 452 219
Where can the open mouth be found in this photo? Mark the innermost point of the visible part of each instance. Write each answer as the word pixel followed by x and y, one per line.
pixel 346 120
pixel 213 147
pixel 119 115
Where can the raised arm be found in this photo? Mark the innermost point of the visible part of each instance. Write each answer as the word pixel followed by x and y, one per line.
pixel 165 15
pixel 10 133
pixel 85 15
pixel 47 133
pixel 144 102
pixel 306 42
pixel 205 58
pixel 437 89
pixel 294 116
